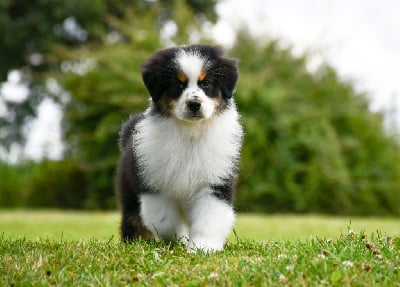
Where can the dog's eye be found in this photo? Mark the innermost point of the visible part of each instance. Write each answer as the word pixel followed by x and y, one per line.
pixel 205 84
pixel 182 85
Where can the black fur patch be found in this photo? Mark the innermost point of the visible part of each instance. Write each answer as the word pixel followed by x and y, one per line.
pixel 129 184
pixel 224 192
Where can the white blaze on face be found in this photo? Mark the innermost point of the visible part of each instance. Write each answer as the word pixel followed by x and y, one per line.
pixel 193 66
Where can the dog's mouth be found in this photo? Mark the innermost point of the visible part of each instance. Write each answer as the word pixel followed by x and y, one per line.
pixel 194 117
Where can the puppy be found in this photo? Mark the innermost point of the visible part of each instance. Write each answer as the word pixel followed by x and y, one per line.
pixel 179 158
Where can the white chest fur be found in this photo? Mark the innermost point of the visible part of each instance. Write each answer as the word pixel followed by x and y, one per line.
pixel 177 159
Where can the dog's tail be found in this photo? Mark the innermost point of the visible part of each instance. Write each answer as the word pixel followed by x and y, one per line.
pixel 128 128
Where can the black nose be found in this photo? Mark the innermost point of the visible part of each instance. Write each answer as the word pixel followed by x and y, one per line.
pixel 194 105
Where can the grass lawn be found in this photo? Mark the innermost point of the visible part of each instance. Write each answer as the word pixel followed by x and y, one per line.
pixel 75 225
pixel 43 248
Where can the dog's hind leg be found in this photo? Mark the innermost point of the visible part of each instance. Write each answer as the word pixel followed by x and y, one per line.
pixel 132 228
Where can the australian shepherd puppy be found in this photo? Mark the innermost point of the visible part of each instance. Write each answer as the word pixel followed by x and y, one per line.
pixel 179 158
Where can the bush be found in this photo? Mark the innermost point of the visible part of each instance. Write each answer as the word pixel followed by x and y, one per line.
pixel 12 184
pixel 59 184
pixel 311 143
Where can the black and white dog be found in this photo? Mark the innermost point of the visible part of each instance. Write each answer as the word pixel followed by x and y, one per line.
pixel 179 158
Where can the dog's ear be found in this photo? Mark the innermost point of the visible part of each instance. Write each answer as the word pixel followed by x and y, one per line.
pixel 153 69
pixel 229 76
pixel 150 76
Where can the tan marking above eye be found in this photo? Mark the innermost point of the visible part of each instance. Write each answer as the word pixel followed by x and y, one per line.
pixel 181 77
pixel 202 75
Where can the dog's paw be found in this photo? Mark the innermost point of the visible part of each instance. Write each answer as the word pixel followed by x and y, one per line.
pixel 204 245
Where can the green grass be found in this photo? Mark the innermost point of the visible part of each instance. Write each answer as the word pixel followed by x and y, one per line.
pixel 44 248
pixel 76 225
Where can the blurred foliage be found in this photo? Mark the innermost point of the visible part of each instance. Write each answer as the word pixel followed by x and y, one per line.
pixel 46 184
pixel 29 29
pixel 311 143
pixel 30 32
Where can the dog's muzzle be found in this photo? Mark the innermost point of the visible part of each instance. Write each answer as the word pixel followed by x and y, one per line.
pixel 193 106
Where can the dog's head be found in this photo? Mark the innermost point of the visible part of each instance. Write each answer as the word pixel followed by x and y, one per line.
pixel 190 83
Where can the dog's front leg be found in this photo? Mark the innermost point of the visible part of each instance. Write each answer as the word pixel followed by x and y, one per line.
pixel 210 222
pixel 162 217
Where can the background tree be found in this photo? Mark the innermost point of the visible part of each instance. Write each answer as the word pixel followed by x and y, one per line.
pixel 31 31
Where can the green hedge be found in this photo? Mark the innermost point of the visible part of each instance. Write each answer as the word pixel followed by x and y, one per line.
pixel 311 143
pixel 60 184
